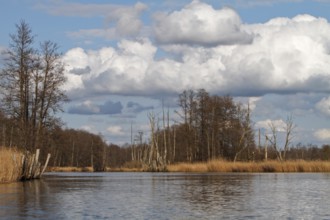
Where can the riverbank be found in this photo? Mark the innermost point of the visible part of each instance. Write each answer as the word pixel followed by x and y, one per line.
pixel 90 169
pixel 255 167
pixel 223 166
pixel 10 165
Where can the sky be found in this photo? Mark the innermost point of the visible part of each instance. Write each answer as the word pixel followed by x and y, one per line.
pixel 126 59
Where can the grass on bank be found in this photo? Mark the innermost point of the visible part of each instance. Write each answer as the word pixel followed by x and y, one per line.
pixel 264 166
pixel 221 166
pixel 69 169
pixel 10 165
pixel 90 169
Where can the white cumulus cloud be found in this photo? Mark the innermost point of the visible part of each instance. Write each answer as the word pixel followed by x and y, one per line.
pixel 253 102
pixel 116 130
pixel 287 55
pixel 201 24
pixel 110 70
pixel 265 124
pixel 324 106
pixel 322 134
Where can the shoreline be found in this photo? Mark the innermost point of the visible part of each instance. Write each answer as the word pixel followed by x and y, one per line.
pixel 297 166
pixel 10 168
pixel 90 169
pixel 271 166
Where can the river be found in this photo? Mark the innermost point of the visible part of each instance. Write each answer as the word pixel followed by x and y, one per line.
pixel 168 196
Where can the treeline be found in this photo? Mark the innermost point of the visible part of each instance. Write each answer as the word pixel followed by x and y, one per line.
pixel 212 127
pixel 209 127
pixel 299 151
pixel 122 156
pixel 31 81
pixel 68 147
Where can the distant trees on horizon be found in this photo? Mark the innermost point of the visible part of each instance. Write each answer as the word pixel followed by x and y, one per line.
pixel 213 127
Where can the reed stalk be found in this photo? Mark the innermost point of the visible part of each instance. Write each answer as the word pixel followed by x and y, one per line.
pixel 264 166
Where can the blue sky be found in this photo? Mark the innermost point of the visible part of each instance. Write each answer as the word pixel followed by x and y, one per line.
pixel 124 58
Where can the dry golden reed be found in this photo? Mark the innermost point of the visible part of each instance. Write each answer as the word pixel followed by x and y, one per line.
pixel 70 169
pixel 90 169
pixel 187 167
pixel 222 166
pixel 265 166
pixel 10 165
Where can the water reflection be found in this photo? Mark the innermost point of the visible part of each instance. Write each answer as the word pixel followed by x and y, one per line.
pixel 201 195
pixel 23 199
pixel 167 196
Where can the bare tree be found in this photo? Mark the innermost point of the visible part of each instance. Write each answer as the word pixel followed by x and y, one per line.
pixel 48 95
pixel 288 129
pixel 164 132
pixel 31 83
pixel 15 78
pixel 247 134
pixel 212 127
pixel 273 140
pixel 156 158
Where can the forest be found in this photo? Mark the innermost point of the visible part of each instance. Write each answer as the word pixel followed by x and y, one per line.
pixel 209 126
pixel 198 137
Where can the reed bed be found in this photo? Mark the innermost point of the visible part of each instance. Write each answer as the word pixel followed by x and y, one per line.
pixel 10 165
pixel 70 169
pixel 125 169
pixel 265 166
pixel 90 169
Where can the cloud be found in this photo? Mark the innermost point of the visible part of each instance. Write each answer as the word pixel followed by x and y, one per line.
pixel 2 55
pixel 253 102
pixel 299 104
pixel 279 124
pixel 61 8
pixel 81 71
pixel 110 108
pixel 121 20
pixel 93 33
pixel 322 134
pixel 254 3
pixel 200 24
pixel 127 19
pixel 88 128
pixel 323 106
pixel 121 71
pixel 2 49
pixel 286 56
pixel 136 107
pixel 116 130
pixel 89 108
pixel 85 108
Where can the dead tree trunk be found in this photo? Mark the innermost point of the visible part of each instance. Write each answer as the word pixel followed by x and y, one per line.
pixel 156 161
pixel 31 168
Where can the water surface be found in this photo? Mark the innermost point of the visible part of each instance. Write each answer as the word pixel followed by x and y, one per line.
pixel 168 196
